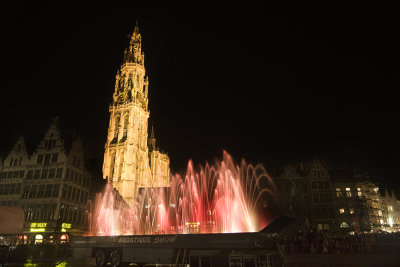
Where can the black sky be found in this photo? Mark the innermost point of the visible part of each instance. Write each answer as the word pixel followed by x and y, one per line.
pixel 271 84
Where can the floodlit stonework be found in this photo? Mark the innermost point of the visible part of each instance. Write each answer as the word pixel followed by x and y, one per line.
pixel 130 162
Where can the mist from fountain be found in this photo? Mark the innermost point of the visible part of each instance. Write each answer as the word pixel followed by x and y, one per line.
pixel 218 198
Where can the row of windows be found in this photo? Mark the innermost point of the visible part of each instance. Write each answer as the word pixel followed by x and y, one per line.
pixel 72 215
pixel 324 226
pixel 318 174
pixel 320 185
pixel 10 189
pixel 12 174
pixel 50 143
pixel 47 158
pixel 15 162
pixel 75 194
pixel 347 192
pixel 41 212
pixel 41 191
pixel 343 210
pixel 45 173
pixel 322 198
pixel 76 178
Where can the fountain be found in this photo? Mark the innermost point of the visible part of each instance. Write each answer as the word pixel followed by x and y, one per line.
pixel 219 198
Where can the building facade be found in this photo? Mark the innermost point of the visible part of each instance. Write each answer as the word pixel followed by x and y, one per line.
pixel 51 185
pixel 306 194
pixel 131 159
pixel 338 201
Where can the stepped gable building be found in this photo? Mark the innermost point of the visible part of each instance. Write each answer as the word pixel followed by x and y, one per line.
pixel 50 183
pixel 306 193
pixel 131 159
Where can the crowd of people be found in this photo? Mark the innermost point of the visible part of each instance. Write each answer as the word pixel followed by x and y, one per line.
pixel 314 242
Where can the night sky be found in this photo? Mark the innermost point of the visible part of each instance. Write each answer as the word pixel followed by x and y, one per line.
pixel 267 83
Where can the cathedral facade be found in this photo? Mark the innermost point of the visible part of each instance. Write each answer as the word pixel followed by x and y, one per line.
pixel 131 158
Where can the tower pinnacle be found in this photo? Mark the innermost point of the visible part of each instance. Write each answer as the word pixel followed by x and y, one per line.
pixel 136 30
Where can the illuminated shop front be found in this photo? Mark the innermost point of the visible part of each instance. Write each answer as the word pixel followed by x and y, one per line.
pixel 46 232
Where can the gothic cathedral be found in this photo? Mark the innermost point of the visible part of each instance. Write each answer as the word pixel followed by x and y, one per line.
pixel 130 161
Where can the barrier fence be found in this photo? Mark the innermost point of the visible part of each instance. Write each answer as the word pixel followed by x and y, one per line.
pixel 338 248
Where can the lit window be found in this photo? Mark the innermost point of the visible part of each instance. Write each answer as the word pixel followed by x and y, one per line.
pixel 348 192
pixel 359 192
pixel 381 221
pixel 344 225
pixel 390 208
pixel 351 210
pixel 38 239
pixel 320 226
pixel 326 226
pixel 341 210
pixel 338 193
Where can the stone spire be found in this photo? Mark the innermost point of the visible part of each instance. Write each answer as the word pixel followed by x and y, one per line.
pixel 135 31
pixel 134 53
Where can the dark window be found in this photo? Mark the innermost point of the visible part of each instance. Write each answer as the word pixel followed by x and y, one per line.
pixel 37 174
pixel 314 185
pixel 71 177
pixel 44 173
pixel 18 189
pixel 25 194
pixel 11 161
pixel 41 191
pixel 52 173
pixel 16 173
pixel 56 190
pixel 59 172
pixel 30 174
pixel 10 175
pixel 67 174
pixel 326 185
pixel 64 192
pixel 12 189
pixel 320 185
pixel 40 159
pixel 80 179
pixel 6 189
pixel 49 190
pixel 21 174
pixel 81 196
pixel 1 188
pixel 47 159
pixel 73 193
pixel 15 162
pixel 54 157
pixel 20 160
pixel 32 194
pixel 69 192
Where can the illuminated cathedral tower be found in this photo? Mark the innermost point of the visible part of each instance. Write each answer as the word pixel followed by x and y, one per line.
pixel 129 161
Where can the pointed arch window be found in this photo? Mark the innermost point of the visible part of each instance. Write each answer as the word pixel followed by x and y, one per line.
pixel 126 123
pixel 116 127
pixel 112 166
pixel 121 164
